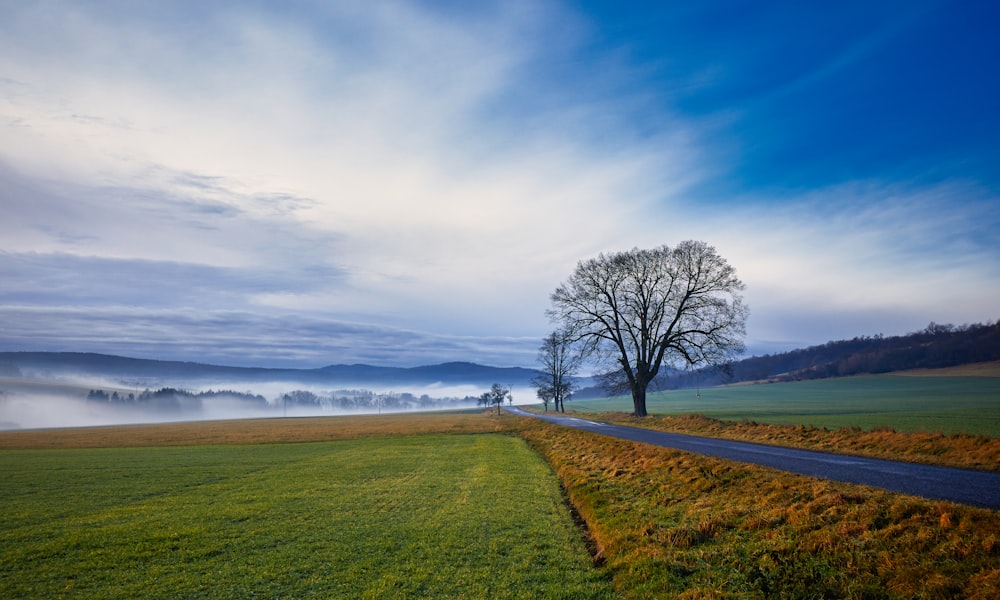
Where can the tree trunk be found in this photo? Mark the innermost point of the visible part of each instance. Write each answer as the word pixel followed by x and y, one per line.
pixel 639 400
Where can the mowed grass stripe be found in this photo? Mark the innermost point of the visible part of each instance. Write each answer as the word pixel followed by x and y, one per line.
pixel 409 516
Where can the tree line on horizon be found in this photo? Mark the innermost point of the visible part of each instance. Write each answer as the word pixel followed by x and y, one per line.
pixel 367 400
pixel 170 399
pixel 936 346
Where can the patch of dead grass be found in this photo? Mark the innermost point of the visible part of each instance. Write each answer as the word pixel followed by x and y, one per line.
pixel 980 369
pixel 672 524
pixel 251 431
pixel 957 450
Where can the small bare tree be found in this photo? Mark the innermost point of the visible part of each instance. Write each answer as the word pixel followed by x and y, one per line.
pixel 638 310
pixel 545 396
pixel 560 363
pixel 496 395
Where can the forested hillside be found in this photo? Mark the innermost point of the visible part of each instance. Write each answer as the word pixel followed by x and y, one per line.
pixel 934 347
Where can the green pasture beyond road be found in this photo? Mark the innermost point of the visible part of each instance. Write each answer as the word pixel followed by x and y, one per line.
pixel 905 403
pixel 404 517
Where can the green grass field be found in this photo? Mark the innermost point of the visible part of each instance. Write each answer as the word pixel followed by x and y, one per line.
pixel 404 517
pixel 452 506
pixel 905 403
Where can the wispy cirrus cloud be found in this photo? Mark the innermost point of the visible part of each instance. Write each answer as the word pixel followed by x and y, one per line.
pixel 864 258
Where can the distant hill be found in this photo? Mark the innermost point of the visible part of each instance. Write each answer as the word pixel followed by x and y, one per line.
pixel 124 368
pixel 935 347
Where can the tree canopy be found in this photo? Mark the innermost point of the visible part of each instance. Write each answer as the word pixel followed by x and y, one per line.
pixel 638 310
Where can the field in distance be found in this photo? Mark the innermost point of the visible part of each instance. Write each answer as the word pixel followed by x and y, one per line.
pixel 249 431
pixel 946 401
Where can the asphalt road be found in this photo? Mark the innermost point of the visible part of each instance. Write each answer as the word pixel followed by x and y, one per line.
pixel 963 486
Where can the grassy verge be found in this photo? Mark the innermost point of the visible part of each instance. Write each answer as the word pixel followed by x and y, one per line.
pixel 373 517
pixel 673 524
pixel 956 450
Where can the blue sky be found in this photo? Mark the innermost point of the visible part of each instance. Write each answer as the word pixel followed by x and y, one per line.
pixel 405 183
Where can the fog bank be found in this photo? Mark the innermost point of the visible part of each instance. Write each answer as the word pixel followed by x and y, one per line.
pixel 34 404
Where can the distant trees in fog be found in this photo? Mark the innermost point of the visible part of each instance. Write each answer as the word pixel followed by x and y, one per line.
pixel 495 396
pixel 171 399
pixel 367 400
pixel 165 399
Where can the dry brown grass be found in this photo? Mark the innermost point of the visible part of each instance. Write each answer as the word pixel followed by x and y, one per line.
pixel 673 524
pixel 981 369
pixel 250 431
pixel 956 450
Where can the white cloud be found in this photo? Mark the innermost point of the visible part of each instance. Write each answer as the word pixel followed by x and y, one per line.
pixel 863 258
pixel 392 164
pixel 375 116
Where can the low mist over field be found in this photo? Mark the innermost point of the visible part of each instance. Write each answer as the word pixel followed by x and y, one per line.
pixel 43 406
pixel 52 390
pixel 31 410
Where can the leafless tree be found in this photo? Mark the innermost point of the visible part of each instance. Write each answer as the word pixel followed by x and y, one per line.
pixel 560 363
pixel 545 396
pixel 635 311
pixel 496 395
